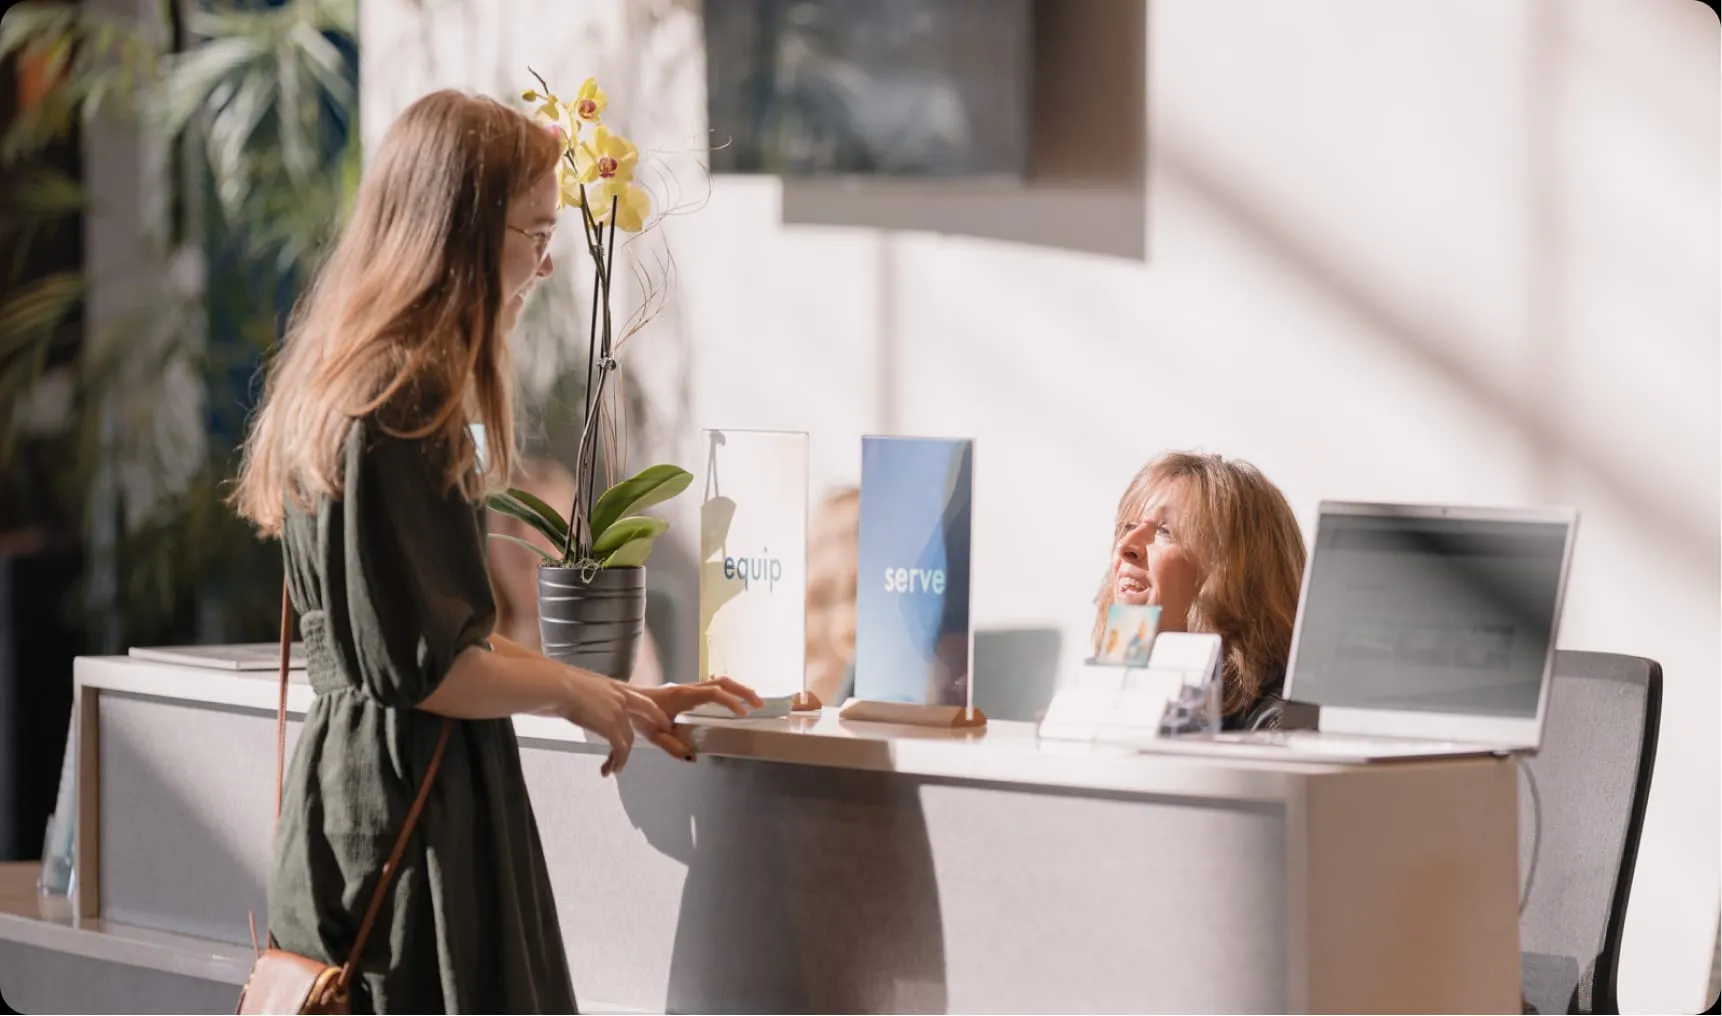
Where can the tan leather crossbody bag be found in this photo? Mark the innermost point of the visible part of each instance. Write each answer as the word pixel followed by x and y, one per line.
pixel 284 982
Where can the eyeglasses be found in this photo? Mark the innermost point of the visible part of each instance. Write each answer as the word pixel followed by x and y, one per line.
pixel 540 239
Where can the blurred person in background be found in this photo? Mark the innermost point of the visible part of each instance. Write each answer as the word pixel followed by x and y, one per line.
pixel 833 549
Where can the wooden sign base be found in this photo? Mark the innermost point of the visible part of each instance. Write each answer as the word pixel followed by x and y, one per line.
pixel 956 717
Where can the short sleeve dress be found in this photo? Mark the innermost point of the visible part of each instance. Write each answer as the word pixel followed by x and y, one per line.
pixel 390 584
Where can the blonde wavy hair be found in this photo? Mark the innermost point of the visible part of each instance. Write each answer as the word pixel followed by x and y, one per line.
pixel 404 318
pixel 1250 551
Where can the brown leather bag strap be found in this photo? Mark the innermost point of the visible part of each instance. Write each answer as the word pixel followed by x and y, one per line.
pixel 280 729
pixel 389 866
pixel 281 707
pixel 412 819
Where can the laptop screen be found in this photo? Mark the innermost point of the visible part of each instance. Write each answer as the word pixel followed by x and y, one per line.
pixel 1429 615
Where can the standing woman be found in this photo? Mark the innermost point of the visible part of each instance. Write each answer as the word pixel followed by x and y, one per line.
pixel 361 460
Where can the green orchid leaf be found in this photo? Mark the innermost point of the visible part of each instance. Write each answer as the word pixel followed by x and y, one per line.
pixel 548 557
pixel 652 485
pixel 632 554
pixel 511 505
pixel 624 531
pixel 549 514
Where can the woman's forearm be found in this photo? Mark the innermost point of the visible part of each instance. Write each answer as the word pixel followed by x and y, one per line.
pixel 509 647
pixel 489 685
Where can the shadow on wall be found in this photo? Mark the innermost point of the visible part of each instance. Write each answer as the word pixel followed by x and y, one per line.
pixel 1677 525
pixel 1087 176
pixel 808 889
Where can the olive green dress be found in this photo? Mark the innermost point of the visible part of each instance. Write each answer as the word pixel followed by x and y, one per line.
pixel 390 585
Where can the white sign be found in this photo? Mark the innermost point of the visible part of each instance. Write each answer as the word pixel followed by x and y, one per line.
pixel 753 559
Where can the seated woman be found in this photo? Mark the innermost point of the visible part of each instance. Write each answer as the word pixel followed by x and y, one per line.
pixel 1214 544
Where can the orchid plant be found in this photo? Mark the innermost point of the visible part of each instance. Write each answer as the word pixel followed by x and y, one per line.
pixel 595 177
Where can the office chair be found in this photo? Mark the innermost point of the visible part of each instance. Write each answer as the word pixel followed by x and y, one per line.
pixel 1581 810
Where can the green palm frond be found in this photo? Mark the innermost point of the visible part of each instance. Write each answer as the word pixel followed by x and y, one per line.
pixel 36 198
pixel 30 313
pixel 30 320
pixel 260 81
pixel 255 101
pixel 42 192
pixel 97 61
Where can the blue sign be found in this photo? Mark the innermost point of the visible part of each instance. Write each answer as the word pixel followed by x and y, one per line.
pixel 912 595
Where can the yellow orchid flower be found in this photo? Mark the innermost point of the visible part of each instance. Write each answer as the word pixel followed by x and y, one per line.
pixel 606 158
pixel 606 163
pixel 633 205
pixel 567 187
pixel 602 170
pixel 589 102
pixel 554 111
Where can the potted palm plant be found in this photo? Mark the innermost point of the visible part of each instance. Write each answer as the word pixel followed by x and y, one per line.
pixel 592 580
pixel 132 383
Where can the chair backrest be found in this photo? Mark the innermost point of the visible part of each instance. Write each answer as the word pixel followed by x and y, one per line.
pixel 1581 809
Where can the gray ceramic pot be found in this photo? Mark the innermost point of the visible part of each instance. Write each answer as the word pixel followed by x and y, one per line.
pixel 595 625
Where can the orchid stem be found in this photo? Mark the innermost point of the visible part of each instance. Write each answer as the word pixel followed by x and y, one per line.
pixel 579 521
pixel 605 264
pixel 602 247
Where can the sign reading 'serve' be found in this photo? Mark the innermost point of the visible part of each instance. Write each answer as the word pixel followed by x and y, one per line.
pixel 912 595
pixel 753 559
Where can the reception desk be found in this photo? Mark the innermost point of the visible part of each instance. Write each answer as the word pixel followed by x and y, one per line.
pixel 812 865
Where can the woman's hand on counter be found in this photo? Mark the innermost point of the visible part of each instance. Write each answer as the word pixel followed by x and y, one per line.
pixel 615 711
pixel 510 679
pixel 675 699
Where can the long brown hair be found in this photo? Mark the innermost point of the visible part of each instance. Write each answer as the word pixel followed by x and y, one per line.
pixel 1247 543
pixel 405 314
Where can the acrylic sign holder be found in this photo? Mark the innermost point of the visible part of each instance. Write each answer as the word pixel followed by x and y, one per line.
pixel 1176 692
pixel 917 503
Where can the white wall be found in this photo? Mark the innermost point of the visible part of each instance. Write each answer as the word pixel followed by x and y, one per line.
pixel 1465 251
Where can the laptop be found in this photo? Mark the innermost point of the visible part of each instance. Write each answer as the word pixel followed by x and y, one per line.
pixel 1422 632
